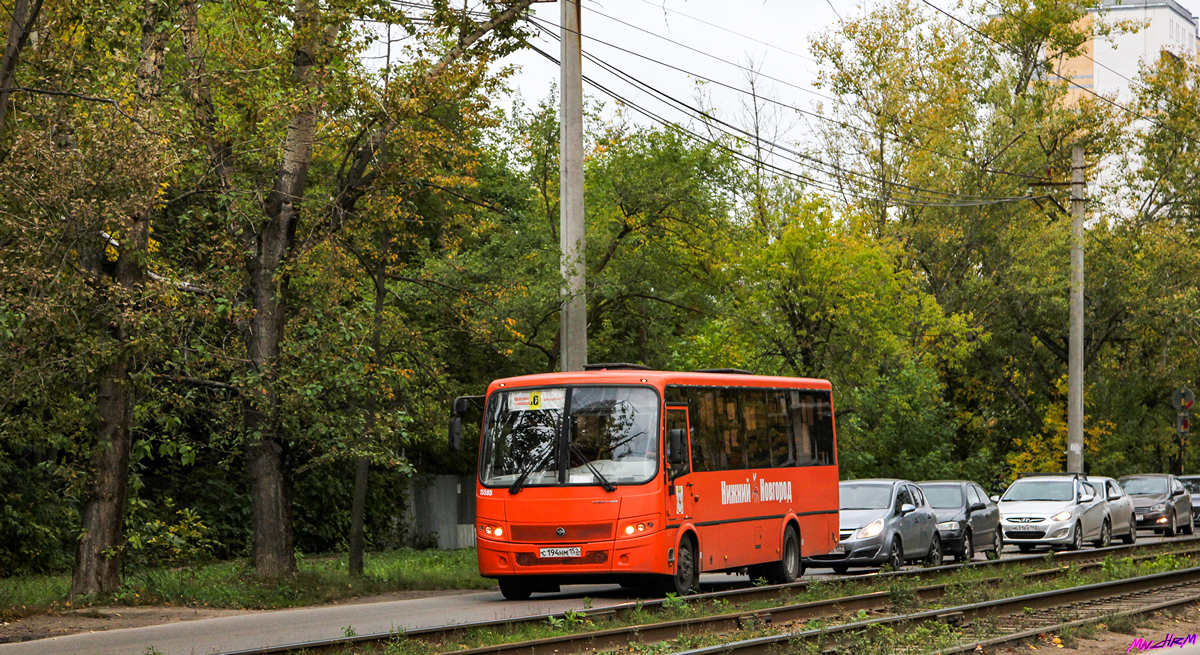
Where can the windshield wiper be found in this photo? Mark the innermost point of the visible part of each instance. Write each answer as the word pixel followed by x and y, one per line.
pixel 520 481
pixel 608 486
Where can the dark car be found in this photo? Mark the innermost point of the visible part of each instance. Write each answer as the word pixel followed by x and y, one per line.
pixel 1192 484
pixel 1160 503
pixel 967 520
pixel 882 522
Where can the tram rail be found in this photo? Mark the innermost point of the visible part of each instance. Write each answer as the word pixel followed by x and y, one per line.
pixel 602 639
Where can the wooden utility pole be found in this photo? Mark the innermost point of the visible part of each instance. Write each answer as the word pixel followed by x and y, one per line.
pixel 1075 346
pixel 573 330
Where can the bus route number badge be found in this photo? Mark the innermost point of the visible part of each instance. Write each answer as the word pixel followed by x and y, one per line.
pixel 679 499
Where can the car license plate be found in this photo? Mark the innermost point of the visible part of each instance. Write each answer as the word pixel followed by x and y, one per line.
pixel 1141 517
pixel 573 551
pixel 838 550
pixel 1021 527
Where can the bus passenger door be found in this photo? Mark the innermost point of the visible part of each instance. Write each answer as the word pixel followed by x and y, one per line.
pixel 679 466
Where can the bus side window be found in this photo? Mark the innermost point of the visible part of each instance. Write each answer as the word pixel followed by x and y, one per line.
pixel 812 421
pixel 756 428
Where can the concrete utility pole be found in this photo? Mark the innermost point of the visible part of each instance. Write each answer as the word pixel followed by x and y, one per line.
pixel 1075 346
pixel 574 309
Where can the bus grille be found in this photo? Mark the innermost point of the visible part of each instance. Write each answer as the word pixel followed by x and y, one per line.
pixel 578 532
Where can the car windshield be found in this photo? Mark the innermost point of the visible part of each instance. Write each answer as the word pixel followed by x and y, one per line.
pixel 1033 490
pixel 611 433
pixel 1144 486
pixel 1191 484
pixel 866 496
pixel 943 496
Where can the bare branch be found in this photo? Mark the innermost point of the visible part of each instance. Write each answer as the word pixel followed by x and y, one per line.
pixel 70 94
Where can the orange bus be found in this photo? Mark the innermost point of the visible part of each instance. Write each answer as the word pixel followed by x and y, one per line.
pixel 626 475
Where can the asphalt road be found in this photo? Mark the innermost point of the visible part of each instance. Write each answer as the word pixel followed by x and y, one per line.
pixel 207 636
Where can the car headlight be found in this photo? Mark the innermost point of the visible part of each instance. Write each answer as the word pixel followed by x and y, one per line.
pixel 1061 516
pixel 869 530
pixel 1158 508
pixel 949 525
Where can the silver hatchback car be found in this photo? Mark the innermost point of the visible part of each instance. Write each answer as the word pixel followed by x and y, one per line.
pixel 1053 510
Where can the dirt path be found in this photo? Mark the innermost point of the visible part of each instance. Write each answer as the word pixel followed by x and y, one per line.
pixel 100 618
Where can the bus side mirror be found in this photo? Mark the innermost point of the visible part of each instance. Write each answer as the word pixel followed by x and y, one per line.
pixel 460 406
pixel 455 434
pixel 676 437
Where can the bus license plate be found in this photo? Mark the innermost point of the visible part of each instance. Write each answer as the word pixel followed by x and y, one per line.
pixel 574 551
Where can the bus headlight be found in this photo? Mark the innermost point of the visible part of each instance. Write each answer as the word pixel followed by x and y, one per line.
pixel 637 527
pixel 492 530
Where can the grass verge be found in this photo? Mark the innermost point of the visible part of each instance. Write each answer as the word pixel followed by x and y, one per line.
pixel 233 584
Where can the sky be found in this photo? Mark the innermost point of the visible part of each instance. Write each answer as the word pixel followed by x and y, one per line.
pixel 681 40
pixel 671 44
pixel 709 38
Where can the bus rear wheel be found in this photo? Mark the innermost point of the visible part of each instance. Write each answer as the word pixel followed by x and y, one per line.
pixel 790 566
pixel 515 588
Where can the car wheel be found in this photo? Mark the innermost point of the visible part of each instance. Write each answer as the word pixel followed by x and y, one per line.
pixel 1077 541
pixel 968 551
pixel 1172 527
pixel 515 588
pixel 896 555
pixel 786 570
pixel 997 545
pixel 686 575
pixel 934 557
pixel 1105 536
pixel 1189 527
pixel 1132 536
pixel 840 568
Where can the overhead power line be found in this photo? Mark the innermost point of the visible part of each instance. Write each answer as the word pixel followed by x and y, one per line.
pixel 822 166
pixel 783 172
pixel 813 114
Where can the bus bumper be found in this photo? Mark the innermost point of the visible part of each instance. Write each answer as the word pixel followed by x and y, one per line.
pixel 637 555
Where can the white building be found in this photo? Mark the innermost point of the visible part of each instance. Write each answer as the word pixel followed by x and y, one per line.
pixel 1112 62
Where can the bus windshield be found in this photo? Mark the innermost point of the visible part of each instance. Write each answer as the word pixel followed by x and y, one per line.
pixel 610 436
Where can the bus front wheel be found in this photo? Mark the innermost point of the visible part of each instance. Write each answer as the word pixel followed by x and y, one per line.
pixel 790 567
pixel 687 574
pixel 515 588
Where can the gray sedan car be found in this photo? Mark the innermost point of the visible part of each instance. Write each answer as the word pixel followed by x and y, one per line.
pixel 883 522
pixel 1161 502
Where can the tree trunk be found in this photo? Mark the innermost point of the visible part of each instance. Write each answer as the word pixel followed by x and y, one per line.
pixel 97 565
pixel 95 571
pixel 358 512
pixel 270 475
pixel 23 20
